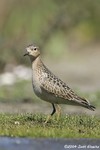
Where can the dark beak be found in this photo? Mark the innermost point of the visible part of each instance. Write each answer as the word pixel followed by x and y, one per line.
pixel 26 54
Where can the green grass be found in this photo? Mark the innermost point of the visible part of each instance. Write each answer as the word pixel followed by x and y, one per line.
pixel 28 125
pixel 70 126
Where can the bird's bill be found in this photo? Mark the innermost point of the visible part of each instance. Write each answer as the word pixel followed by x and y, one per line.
pixel 26 54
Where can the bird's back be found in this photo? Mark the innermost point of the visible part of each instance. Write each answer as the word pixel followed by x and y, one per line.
pixel 55 90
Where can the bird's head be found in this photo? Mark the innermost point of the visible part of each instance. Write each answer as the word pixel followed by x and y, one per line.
pixel 32 51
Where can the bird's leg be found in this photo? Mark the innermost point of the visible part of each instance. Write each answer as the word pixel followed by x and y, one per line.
pixel 49 116
pixel 58 110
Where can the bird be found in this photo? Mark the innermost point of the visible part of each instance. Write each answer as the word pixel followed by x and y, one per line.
pixel 49 87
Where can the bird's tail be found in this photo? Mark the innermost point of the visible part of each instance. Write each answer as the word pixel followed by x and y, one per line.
pixel 85 103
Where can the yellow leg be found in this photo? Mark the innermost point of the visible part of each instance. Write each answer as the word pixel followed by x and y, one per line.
pixel 58 110
pixel 47 119
pixel 49 116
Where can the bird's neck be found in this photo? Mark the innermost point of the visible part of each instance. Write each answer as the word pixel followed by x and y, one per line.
pixel 37 63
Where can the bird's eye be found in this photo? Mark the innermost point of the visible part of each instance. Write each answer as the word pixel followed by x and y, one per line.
pixel 35 48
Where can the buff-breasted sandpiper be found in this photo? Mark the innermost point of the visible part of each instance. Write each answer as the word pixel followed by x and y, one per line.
pixel 50 88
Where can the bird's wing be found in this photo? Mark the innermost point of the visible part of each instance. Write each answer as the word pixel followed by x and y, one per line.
pixel 59 89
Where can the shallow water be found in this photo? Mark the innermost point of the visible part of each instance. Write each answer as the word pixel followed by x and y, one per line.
pixel 7 143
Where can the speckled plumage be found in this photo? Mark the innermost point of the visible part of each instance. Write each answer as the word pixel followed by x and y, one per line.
pixel 49 87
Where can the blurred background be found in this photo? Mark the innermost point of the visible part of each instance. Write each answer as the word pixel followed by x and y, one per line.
pixel 68 34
